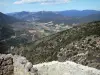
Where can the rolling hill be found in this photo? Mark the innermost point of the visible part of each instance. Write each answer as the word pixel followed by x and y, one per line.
pixel 6 30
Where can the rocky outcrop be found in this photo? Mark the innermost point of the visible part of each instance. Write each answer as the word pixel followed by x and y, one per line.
pixel 23 67
pixel 6 64
pixel 64 68
pixel 19 65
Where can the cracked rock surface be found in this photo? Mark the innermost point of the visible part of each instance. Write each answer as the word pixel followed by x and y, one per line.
pixel 18 65
pixel 6 64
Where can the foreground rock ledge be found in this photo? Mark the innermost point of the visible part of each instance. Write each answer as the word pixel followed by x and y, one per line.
pixel 21 66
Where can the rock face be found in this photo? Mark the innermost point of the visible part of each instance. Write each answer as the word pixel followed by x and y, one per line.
pixel 6 65
pixel 64 68
pixel 22 66
pixel 51 68
pixel 18 65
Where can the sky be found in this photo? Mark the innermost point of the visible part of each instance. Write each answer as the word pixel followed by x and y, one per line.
pixel 8 6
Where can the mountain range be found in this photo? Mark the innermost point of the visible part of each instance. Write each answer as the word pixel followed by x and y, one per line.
pixel 68 16
pixel 77 13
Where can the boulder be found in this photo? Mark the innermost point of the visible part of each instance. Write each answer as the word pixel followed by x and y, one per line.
pixel 28 66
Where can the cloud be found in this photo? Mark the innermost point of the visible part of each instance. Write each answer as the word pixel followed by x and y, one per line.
pixel 42 1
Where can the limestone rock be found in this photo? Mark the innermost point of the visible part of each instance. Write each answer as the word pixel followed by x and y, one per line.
pixel 6 64
pixel 47 68
pixel 34 70
pixel 28 66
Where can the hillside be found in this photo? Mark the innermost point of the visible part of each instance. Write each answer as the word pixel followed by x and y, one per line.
pixel 6 31
pixel 90 18
pixel 5 19
pixel 66 45
pixel 19 15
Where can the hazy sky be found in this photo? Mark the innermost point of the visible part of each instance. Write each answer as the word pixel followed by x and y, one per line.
pixel 7 6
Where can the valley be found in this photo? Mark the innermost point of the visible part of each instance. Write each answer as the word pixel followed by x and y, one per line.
pixel 36 30
pixel 79 44
pixel 47 36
